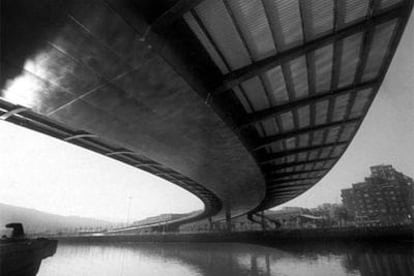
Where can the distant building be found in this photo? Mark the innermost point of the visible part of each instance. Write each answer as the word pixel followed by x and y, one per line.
pixel 384 198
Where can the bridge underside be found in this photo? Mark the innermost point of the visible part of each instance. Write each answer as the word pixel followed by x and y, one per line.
pixel 245 103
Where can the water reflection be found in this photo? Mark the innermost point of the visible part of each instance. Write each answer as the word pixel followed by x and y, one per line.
pixel 231 259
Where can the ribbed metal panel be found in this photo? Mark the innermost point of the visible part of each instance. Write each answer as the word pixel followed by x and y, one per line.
pixel 379 48
pixel 312 156
pixel 304 116
pixel 325 152
pixel 317 137
pixel 360 103
pixel 277 146
pixel 384 4
pixel 323 68
pixel 270 127
pixel 290 143
pixel 242 98
pixel 299 76
pixel 298 168
pixel 329 164
pixel 347 132
pixel 284 17
pixel 286 120
pixel 341 103
pixel 321 112
pixel 275 84
pixel 195 27
pixel 251 18
pixel 255 93
pixel 354 10
pixel 319 165
pixel 338 151
pixel 291 158
pixel 219 24
pixel 318 16
pixel 302 157
pixel 304 140
pixel 260 130
pixel 332 135
pixel 289 170
pixel 351 48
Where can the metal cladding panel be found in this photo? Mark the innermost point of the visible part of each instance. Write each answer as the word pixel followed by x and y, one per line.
pixel 242 98
pixel 351 47
pixel 219 24
pixel 318 16
pixel 286 120
pixel 384 4
pixel 354 10
pixel 317 137
pixel 290 143
pixel 379 49
pixel 340 107
pixel 319 165
pixel 277 146
pixel 277 161
pixel 323 68
pixel 302 157
pixel 308 166
pixel 312 156
pixel 285 20
pixel 304 116
pixel 255 93
pixel 321 112
pixel 338 151
pixel 252 21
pixel 275 84
pixel 195 27
pixel 299 77
pixel 332 136
pixel 35 92
pixel 361 101
pixel 290 158
pixel 347 132
pixel 270 127
pixel 304 140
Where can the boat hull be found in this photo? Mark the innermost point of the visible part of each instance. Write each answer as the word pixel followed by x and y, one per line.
pixel 23 257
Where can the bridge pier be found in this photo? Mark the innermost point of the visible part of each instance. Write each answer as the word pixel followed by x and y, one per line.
pixel 210 224
pixel 263 222
pixel 228 220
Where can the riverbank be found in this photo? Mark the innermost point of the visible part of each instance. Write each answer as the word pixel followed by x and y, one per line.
pixel 405 233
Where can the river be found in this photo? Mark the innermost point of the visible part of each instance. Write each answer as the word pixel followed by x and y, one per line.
pixel 228 259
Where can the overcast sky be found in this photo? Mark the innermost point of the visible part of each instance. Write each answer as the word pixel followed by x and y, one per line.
pixel 50 175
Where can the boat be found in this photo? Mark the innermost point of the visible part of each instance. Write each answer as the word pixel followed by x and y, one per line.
pixel 21 256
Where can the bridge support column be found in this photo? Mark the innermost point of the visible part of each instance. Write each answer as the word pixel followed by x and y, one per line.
pixel 210 224
pixel 228 220
pixel 263 222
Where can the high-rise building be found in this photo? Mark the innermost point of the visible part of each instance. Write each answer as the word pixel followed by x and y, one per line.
pixel 384 198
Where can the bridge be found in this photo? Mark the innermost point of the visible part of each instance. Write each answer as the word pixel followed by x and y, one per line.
pixel 245 103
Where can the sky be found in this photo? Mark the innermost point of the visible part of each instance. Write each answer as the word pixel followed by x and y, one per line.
pixel 47 174
pixel 50 175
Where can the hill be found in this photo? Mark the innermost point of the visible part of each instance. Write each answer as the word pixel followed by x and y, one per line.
pixel 41 222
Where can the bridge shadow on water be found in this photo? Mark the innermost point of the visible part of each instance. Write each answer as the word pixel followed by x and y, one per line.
pixel 313 258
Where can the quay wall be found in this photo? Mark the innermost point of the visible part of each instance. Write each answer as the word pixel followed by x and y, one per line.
pixel 405 233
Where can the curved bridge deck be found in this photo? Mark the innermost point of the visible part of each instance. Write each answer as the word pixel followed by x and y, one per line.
pixel 247 104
